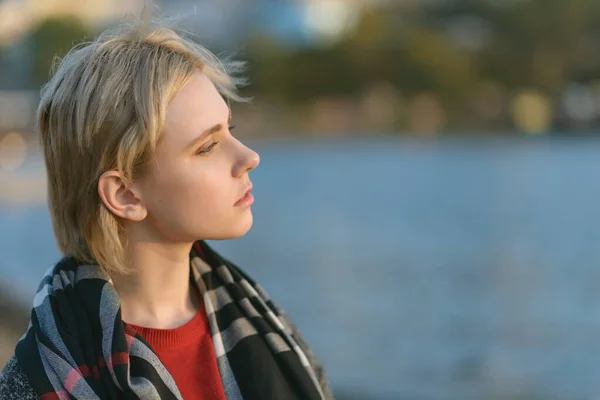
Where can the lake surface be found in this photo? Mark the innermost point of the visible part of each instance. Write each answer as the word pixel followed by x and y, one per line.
pixel 455 269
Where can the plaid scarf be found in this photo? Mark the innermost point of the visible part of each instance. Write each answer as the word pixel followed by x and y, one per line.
pixel 77 345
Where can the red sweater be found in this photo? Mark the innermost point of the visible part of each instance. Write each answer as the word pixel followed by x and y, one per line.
pixel 188 353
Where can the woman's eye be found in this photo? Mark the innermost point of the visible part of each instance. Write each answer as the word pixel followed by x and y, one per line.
pixel 207 149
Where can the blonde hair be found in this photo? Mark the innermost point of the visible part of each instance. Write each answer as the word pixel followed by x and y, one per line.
pixel 104 109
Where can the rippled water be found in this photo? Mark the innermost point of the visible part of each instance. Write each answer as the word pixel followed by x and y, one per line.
pixel 457 269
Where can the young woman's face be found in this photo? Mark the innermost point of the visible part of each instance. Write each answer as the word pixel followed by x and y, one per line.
pixel 193 190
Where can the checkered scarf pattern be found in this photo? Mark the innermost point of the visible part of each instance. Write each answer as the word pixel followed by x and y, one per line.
pixel 77 346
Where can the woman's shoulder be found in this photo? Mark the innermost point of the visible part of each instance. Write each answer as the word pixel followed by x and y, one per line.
pixel 14 383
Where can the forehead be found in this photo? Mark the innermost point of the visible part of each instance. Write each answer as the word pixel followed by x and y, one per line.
pixel 195 108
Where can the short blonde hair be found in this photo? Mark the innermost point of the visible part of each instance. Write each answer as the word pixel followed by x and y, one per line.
pixel 104 109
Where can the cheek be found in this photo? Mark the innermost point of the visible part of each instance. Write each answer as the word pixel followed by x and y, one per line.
pixel 196 201
pixel 194 188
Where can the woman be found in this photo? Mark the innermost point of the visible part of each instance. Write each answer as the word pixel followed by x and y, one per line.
pixel 142 168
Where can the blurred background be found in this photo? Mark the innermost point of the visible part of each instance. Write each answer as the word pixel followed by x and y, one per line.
pixel 426 205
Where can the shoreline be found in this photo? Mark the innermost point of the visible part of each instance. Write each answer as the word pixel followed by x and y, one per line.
pixel 14 319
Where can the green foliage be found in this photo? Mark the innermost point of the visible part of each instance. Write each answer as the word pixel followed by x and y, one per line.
pixel 533 44
pixel 52 38
pixel 541 45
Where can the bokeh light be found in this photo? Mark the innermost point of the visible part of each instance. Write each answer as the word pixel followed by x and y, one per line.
pixel 532 112
pixel 13 151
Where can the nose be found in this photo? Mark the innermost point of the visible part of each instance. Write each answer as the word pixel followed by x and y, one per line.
pixel 247 161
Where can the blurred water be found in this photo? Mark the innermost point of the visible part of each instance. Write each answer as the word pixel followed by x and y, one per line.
pixel 457 269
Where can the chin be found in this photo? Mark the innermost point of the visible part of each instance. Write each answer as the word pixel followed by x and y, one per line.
pixel 243 226
pixel 237 229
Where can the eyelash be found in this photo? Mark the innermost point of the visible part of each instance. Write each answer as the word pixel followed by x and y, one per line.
pixel 208 149
pixel 212 145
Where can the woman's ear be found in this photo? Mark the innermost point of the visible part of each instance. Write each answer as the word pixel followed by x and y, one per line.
pixel 119 199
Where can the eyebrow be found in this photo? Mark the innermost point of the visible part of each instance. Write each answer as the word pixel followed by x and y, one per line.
pixel 213 129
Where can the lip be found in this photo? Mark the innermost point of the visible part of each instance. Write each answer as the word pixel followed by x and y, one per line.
pixel 247 199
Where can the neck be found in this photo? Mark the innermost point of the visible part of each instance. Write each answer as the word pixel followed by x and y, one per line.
pixel 158 293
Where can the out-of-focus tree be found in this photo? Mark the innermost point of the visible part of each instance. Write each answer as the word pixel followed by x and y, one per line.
pixel 534 43
pixel 300 75
pixel 54 37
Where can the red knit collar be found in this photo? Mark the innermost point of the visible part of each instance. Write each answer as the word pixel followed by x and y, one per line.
pixel 176 337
